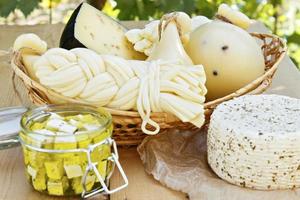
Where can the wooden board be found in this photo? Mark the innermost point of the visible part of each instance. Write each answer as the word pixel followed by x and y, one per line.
pixel 141 185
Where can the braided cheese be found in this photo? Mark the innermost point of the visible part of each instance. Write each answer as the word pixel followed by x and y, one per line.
pixel 111 81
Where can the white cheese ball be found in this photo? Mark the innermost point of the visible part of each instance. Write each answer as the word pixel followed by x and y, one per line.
pixel 230 56
pixel 254 141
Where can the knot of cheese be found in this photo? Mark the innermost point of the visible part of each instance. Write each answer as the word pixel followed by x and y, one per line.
pixel 145 40
pixel 111 81
pixel 30 41
pixel 234 16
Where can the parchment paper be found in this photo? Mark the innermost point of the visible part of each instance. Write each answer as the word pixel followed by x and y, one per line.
pixel 178 160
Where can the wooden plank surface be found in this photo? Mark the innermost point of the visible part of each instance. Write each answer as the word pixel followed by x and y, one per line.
pixel 141 186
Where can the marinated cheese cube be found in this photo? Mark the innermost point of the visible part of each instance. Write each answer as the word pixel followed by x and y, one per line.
pixel 101 153
pixel 77 186
pixel 58 187
pixel 65 182
pixel 100 137
pixel 91 127
pixel 73 159
pixel 75 117
pixel 73 171
pixel 25 155
pixel 54 169
pixel 41 140
pixel 76 123
pixel 96 154
pixel 45 132
pixel 90 181
pixel 55 116
pixel 106 151
pixel 67 128
pixel 48 145
pixel 54 124
pixel 37 126
pixel 37 159
pixel 73 166
pixel 65 142
pixel 89 119
pixel 39 182
pixel 84 159
pixel 31 171
pixel 63 156
pixel 101 166
pixel 33 161
pixel 77 159
pixel 83 140
pixel 55 188
pixel 60 125
pixel 109 167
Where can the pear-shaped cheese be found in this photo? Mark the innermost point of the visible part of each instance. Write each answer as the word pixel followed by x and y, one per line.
pixel 230 56
pixel 170 47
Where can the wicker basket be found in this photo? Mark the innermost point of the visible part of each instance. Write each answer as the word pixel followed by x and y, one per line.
pixel 127 123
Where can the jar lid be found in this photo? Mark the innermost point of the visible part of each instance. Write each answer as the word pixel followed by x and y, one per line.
pixel 10 126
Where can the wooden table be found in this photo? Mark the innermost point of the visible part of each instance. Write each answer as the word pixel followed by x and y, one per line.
pixel 13 185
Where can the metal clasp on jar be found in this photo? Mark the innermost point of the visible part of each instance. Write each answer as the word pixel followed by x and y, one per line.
pixel 114 158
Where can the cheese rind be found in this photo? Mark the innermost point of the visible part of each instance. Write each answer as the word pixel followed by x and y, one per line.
pixel 253 141
pixel 88 27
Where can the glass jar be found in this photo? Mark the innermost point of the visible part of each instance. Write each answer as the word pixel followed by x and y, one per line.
pixel 69 164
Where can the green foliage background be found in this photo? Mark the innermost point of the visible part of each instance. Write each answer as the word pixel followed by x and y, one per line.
pixel 273 13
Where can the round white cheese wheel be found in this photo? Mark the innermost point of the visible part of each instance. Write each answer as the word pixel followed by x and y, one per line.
pixel 254 141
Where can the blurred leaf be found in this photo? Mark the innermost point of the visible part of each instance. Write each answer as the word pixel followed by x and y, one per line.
pixel 294 38
pixel 294 52
pixel 205 8
pixel 27 6
pixel 146 9
pixel 7 6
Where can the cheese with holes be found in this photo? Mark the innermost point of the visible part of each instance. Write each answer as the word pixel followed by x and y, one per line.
pixel 89 27
pixel 253 141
